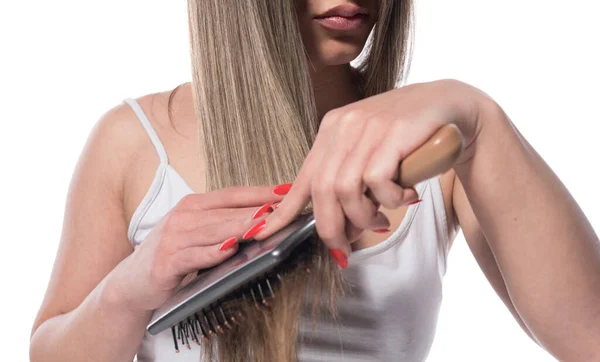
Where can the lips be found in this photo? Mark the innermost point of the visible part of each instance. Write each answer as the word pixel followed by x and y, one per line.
pixel 343 23
pixel 345 11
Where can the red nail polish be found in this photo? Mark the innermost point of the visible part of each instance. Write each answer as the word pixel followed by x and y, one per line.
pixel 339 257
pixel 227 244
pixel 261 210
pixel 282 189
pixel 381 230
pixel 415 202
pixel 255 229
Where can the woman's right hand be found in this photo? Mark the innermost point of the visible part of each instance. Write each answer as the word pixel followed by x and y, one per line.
pixel 196 234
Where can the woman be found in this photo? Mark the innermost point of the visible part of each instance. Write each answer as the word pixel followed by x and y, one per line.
pixel 134 228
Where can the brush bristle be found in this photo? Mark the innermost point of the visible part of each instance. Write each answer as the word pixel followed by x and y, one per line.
pixel 223 315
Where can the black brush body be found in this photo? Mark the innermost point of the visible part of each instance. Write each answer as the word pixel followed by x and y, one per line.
pixel 196 310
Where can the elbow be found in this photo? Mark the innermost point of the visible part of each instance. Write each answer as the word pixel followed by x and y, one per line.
pixel 34 348
pixel 35 340
pixel 40 343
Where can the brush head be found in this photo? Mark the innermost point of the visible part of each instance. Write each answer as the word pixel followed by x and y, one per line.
pixel 197 309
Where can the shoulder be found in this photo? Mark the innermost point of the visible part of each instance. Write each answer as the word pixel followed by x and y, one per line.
pixel 118 134
pixel 170 115
pixel 117 142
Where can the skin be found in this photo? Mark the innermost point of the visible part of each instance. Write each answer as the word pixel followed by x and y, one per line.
pixel 98 279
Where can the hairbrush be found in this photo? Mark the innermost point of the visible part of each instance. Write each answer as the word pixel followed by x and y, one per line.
pixel 197 311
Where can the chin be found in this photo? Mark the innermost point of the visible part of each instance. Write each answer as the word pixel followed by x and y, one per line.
pixel 337 54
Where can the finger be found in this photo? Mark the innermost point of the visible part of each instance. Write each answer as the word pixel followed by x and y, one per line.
pixel 215 226
pixel 381 172
pixel 230 197
pixel 389 194
pixel 329 217
pixel 350 188
pixel 327 188
pixel 297 197
pixel 353 233
pixel 200 257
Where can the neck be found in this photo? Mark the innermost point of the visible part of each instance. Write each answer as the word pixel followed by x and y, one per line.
pixel 334 87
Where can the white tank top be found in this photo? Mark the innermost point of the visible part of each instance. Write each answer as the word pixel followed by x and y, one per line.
pixel 390 315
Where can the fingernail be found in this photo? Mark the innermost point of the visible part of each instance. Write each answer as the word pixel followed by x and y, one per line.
pixel 414 202
pixel 261 210
pixel 227 244
pixel 339 257
pixel 381 230
pixel 274 206
pixel 254 229
pixel 282 189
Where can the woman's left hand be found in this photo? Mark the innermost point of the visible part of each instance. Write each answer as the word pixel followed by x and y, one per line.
pixel 359 147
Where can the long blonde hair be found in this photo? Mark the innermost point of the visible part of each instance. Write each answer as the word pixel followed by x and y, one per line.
pixel 257 118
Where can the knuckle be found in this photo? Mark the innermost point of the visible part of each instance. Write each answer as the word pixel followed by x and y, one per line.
pixel 326 235
pixel 322 187
pixel 362 221
pixel 325 123
pixel 350 119
pixel 346 188
pixel 341 190
pixel 333 113
pixel 213 256
pixel 373 177
pixel 187 259
pixel 174 220
pixel 183 220
pixel 351 116
pixel 208 236
pixel 206 258
pixel 330 117
pixel 393 201
pixel 188 202
pixel 338 117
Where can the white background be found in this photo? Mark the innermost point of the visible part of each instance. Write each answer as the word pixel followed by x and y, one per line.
pixel 64 63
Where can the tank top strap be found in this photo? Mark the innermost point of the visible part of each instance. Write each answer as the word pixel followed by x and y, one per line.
pixel 160 149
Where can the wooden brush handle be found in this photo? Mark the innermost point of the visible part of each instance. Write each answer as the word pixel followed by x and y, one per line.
pixel 432 158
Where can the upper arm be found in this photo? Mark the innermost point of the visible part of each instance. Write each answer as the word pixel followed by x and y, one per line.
pixel 478 245
pixel 94 235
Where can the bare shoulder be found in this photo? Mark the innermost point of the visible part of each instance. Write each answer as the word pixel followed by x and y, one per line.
pixel 171 116
pixel 111 145
pixel 447 182
pixel 117 141
pixel 94 232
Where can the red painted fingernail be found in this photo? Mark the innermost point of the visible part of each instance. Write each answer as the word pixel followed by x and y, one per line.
pixel 261 210
pixel 282 189
pixel 255 229
pixel 381 230
pixel 227 244
pixel 415 202
pixel 339 257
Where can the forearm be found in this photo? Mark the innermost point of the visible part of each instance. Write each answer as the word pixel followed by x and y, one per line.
pixel 101 328
pixel 547 251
